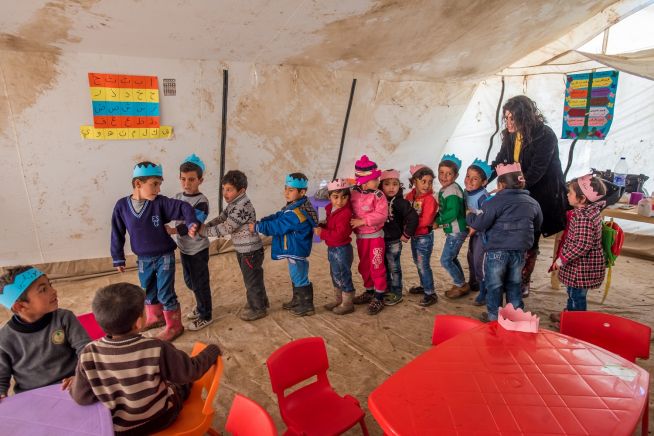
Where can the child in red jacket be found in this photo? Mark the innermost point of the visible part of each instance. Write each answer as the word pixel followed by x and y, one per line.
pixel 336 233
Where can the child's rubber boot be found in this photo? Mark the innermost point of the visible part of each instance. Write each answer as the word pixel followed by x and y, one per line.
pixel 153 317
pixel 305 304
pixel 346 306
pixel 338 299
pixel 174 326
pixel 294 301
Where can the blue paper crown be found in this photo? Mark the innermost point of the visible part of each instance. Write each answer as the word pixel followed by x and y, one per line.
pixel 153 170
pixel 22 281
pixel 195 160
pixel 482 165
pixel 296 183
pixel 452 158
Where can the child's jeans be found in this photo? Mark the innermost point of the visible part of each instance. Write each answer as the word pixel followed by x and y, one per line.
pixel 421 248
pixel 393 266
pixel 196 276
pixel 576 298
pixel 251 265
pixel 503 271
pixel 476 264
pixel 299 272
pixel 449 260
pixel 340 266
pixel 157 277
pixel 371 262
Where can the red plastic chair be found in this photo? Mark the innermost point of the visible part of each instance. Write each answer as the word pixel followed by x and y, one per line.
pixel 313 409
pixel 247 418
pixel 624 337
pixel 91 325
pixel 448 326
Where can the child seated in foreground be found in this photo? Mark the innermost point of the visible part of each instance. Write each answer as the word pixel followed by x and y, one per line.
pixel 40 343
pixel 143 381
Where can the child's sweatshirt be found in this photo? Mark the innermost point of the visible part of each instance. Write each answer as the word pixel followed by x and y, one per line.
pixel 452 213
pixel 337 230
pixel 426 207
pixel 369 205
pixel 402 218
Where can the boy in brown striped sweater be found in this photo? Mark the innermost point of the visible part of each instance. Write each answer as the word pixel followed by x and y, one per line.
pixel 143 381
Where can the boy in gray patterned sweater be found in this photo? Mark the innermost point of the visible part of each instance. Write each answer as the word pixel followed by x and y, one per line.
pixel 234 221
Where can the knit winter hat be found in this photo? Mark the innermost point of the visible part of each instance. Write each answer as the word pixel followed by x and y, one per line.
pixel 365 170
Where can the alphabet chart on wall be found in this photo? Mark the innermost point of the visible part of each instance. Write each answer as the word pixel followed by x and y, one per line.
pixel 124 107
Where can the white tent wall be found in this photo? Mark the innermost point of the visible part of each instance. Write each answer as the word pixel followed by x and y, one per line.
pixel 631 133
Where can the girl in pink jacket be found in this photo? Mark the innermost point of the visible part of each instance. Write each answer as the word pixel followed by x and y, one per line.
pixel 370 211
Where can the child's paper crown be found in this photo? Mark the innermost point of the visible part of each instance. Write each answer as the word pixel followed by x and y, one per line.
pixel 390 174
pixel 337 184
pixel 153 170
pixel 587 188
pixel 292 182
pixel 415 168
pixel 194 160
pixel 508 168
pixel 452 158
pixel 517 319
pixel 482 165
pixel 22 281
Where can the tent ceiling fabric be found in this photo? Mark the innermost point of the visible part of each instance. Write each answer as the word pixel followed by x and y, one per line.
pixel 640 63
pixel 409 39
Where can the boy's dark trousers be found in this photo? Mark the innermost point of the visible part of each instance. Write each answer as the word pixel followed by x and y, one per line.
pixel 252 269
pixel 196 277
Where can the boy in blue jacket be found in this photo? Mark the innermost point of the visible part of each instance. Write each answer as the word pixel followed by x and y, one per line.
pixel 292 232
pixel 143 215
pixel 509 221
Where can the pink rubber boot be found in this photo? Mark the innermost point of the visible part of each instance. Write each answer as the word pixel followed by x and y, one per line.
pixel 174 326
pixel 154 316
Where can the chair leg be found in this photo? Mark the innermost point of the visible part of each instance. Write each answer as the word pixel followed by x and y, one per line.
pixel 364 429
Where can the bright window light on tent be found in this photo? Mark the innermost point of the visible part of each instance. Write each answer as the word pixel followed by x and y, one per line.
pixel 634 33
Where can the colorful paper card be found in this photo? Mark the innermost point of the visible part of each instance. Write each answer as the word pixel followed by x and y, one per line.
pixel 124 107
pixel 589 105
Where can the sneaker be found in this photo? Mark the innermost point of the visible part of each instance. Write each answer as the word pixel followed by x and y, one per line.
pixel 525 291
pixel 457 291
pixel 193 315
pixel 428 300
pixel 479 303
pixel 252 315
pixel 391 299
pixel 199 324
pixel 416 290
pixel 484 317
pixel 375 306
pixel 364 298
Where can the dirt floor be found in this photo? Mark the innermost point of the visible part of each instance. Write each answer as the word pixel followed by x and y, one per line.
pixel 363 350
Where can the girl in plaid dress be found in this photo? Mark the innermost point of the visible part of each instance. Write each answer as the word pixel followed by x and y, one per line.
pixel 580 258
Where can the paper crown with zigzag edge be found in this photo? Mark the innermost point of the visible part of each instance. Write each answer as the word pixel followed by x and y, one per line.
pixel 13 291
pixel 194 159
pixel 452 158
pixel 482 165
pixel 292 182
pixel 338 184
pixel 148 170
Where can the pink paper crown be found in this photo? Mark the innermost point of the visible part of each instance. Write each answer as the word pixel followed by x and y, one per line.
pixel 390 174
pixel 587 188
pixel 517 319
pixel 338 184
pixel 415 168
pixel 508 168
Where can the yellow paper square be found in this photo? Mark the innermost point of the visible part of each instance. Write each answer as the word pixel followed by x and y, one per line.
pixel 145 133
pixel 126 94
pixel 98 94
pixel 153 96
pixel 113 94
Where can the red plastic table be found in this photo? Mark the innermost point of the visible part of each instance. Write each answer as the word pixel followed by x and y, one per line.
pixel 492 381
pixel 49 411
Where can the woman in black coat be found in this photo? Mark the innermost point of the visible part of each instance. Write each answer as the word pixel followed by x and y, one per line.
pixel 527 140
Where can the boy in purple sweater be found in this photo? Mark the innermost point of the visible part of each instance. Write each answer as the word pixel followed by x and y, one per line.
pixel 143 215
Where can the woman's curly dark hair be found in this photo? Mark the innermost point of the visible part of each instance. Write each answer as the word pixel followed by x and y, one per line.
pixel 526 116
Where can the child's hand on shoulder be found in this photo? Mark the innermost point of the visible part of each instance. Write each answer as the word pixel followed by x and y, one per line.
pixel 317 230
pixel 471 231
pixel 193 230
pixel 171 230
pixel 357 222
pixel 66 383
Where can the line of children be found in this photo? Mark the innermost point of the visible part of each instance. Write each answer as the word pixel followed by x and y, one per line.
pixel 336 231
pixel 400 226
pixel 508 220
pixel 143 215
pixel 235 220
pixel 476 180
pixel 452 218
pixel 580 260
pixel 292 232
pixel 423 202
pixel 40 343
pixel 370 211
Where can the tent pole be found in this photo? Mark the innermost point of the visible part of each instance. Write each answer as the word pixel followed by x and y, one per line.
pixel 347 117
pixel 497 120
pixel 223 135
pixel 570 154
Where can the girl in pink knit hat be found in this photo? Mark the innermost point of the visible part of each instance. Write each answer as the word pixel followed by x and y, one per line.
pixel 370 213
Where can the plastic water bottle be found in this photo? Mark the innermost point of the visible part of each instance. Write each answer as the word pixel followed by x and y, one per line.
pixel 620 173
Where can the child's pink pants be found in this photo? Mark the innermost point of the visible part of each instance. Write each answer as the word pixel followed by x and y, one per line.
pixel 371 263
